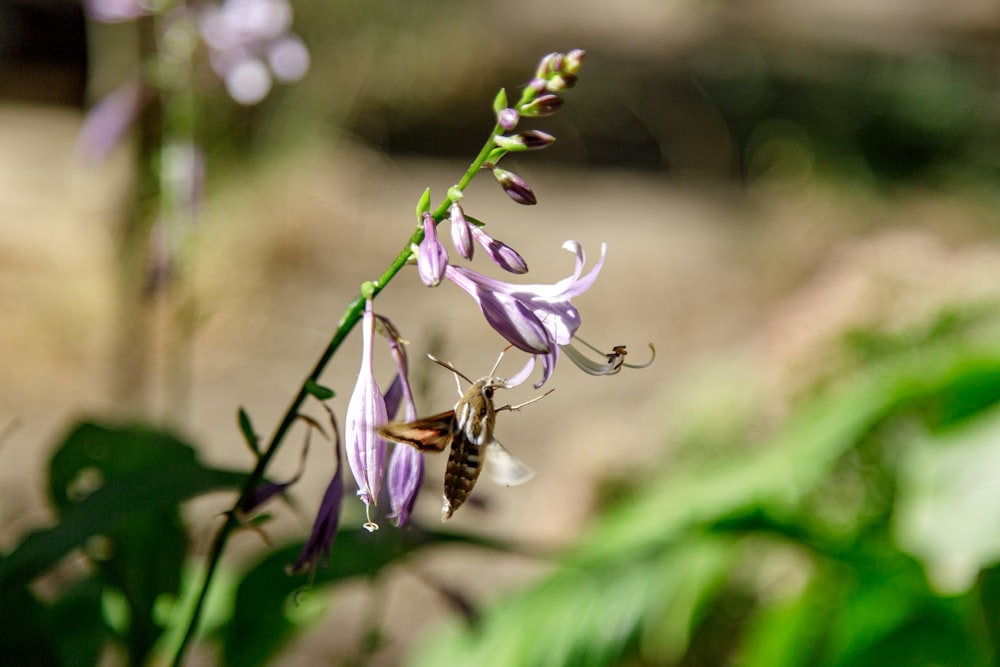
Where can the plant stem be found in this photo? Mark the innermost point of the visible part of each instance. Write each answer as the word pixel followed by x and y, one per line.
pixel 352 314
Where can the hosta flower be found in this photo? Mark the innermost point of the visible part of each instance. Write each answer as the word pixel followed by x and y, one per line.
pixel 406 465
pixel 406 474
pixel 534 318
pixel 432 258
pixel 317 548
pixel 365 411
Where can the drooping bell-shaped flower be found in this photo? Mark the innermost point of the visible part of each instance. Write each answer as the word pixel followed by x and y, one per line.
pixel 366 411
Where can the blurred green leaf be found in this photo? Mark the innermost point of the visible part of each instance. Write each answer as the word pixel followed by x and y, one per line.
pixel 144 471
pixel 948 501
pixel 249 434
pixel 548 624
pixel 28 632
pixel 262 622
pixel 81 631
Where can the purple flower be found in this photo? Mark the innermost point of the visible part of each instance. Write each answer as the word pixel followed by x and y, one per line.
pixel 366 411
pixel 534 318
pixel 432 258
pixel 115 11
pixel 109 119
pixel 502 254
pixel 406 474
pixel 324 530
pixel 461 231
pixel 406 465
pixel 250 44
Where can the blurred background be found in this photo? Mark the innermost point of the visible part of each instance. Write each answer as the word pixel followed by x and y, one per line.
pixel 800 203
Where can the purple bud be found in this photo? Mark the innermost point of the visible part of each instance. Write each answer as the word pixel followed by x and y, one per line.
pixel 534 140
pixel 560 82
pixel 544 105
pixel 432 258
pixel 461 232
pixel 550 62
pixel 514 186
pixel 507 118
pixel 574 61
pixel 502 254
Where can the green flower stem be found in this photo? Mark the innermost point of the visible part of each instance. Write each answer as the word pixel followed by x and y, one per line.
pixel 352 314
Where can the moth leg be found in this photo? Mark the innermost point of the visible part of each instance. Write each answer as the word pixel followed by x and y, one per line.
pixel 514 408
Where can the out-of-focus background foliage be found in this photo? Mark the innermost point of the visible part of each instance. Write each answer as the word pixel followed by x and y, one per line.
pixel 800 201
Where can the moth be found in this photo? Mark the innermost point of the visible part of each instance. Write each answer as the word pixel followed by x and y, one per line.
pixel 468 431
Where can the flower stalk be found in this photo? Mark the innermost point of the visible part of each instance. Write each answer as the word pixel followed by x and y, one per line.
pixel 487 157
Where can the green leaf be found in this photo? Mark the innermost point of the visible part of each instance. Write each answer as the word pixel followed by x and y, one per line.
pixel 423 204
pixel 249 434
pixel 500 101
pixel 102 476
pixel 28 634
pixel 319 391
pixel 681 507
pixel 81 631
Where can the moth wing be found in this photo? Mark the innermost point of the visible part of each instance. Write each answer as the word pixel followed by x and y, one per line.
pixel 431 434
pixel 505 468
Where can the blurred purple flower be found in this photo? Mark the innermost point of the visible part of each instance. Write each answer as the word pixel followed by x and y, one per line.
pixel 110 119
pixel 534 318
pixel 365 411
pixel 250 45
pixel 432 258
pixel 115 11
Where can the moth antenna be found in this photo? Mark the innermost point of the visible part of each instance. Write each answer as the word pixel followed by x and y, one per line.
pixel 451 368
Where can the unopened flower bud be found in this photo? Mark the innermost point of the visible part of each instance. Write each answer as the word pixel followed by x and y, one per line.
pixel 515 187
pixel 525 141
pixel 432 258
pixel 507 118
pixel 574 61
pixel 560 82
pixel 502 254
pixel 546 64
pixel 544 105
pixel 461 232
